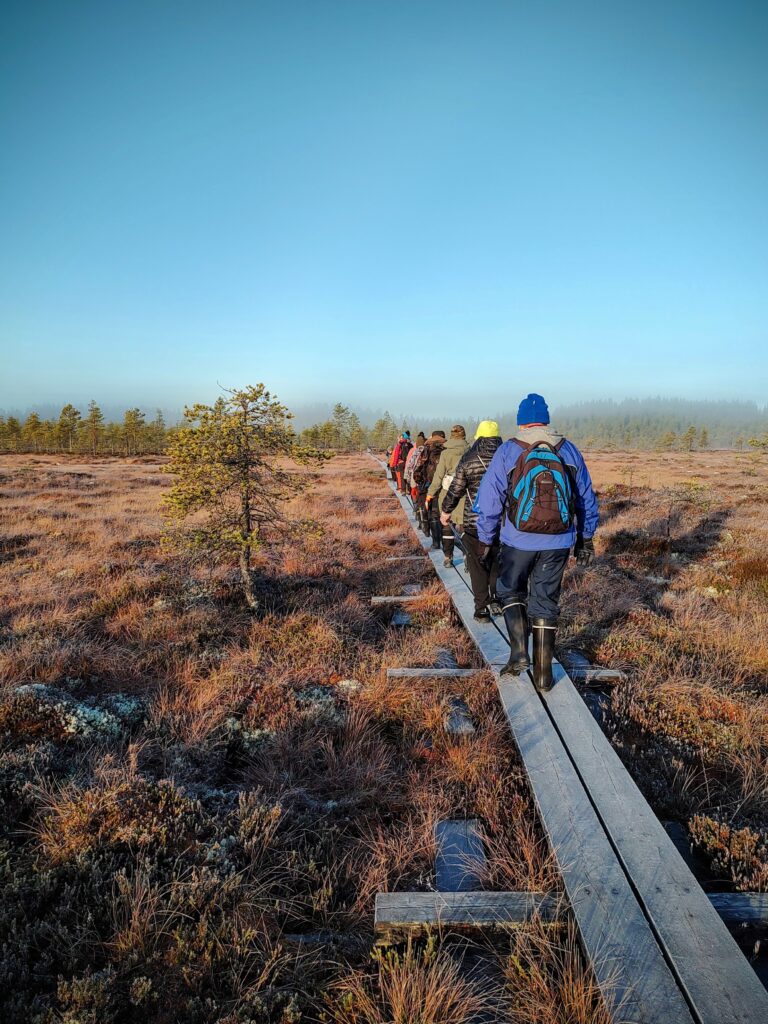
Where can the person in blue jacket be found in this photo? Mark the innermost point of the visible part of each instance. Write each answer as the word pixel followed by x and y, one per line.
pixel 552 492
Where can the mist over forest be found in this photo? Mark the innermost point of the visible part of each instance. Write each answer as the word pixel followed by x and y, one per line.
pixel 650 423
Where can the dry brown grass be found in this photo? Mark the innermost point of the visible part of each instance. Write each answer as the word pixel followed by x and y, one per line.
pixel 266 778
pixel 679 599
pixel 548 983
pixel 423 985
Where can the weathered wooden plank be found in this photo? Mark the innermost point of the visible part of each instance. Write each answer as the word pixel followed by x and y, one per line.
pixel 406 558
pixel 711 969
pixel 377 602
pixel 741 908
pixel 598 676
pixel 460 859
pixel 580 670
pixel 400 914
pixel 431 673
pixel 458 719
pixel 614 931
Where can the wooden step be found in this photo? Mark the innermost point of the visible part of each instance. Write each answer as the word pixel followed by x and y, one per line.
pixel 400 915
pixel 431 673
pixel 741 908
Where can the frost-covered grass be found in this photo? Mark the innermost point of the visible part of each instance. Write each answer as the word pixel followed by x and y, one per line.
pixel 198 806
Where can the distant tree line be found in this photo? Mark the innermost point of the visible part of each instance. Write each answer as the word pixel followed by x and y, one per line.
pixel 663 424
pixel 343 431
pixel 639 424
pixel 85 434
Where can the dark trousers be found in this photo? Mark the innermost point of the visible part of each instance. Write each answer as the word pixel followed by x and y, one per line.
pixel 533 577
pixel 482 571
pixel 421 511
pixel 435 526
pixel 447 536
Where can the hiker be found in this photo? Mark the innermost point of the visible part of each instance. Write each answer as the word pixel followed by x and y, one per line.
pixel 423 471
pixel 538 494
pixel 462 493
pixel 402 455
pixel 410 463
pixel 394 459
pixel 455 447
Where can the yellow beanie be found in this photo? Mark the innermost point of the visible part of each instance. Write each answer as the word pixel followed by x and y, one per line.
pixel 488 428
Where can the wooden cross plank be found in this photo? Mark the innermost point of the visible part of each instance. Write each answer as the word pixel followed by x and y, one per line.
pixel 399 915
pixel 741 908
pixel 598 676
pixel 432 673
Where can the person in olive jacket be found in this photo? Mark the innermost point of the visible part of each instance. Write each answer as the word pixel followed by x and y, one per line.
pixel 461 494
pixel 455 447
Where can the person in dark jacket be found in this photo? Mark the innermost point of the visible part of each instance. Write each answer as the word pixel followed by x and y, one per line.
pixel 531 564
pixel 422 478
pixel 466 483
pixel 402 455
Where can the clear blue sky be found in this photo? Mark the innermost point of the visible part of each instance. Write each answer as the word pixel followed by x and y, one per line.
pixel 408 204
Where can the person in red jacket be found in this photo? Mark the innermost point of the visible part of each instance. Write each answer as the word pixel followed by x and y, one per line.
pixel 394 457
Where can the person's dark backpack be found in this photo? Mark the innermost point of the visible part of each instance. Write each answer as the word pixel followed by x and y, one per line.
pixel 540 495
pixel 421 468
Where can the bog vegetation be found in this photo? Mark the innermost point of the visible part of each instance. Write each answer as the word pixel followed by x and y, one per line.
pixel 198 803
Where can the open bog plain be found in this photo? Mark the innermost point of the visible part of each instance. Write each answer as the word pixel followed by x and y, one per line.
pixel 199 804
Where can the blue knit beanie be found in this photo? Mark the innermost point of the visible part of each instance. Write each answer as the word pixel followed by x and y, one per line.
pixel 533 409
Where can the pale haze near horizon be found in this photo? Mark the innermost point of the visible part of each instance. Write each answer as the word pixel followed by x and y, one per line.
pixel 411 206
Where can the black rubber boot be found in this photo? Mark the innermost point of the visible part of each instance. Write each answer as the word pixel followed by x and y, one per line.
pixel 516 620
pixel 544 632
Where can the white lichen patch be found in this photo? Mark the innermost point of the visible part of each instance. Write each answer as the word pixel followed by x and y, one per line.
pixel 251 739
pixel 109 716
pixel 319 703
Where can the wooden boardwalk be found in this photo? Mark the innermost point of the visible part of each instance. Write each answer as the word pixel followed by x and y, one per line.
pixel 659 949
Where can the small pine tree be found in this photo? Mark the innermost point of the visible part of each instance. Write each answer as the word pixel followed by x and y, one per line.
pixel 67 427
pixel 688 440
pixel 32 432
pixel 229 464
pixel 93 427
pixel 704 439
pixel 134 425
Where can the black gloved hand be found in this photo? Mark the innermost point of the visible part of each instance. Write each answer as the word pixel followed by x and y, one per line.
pixel 584 550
